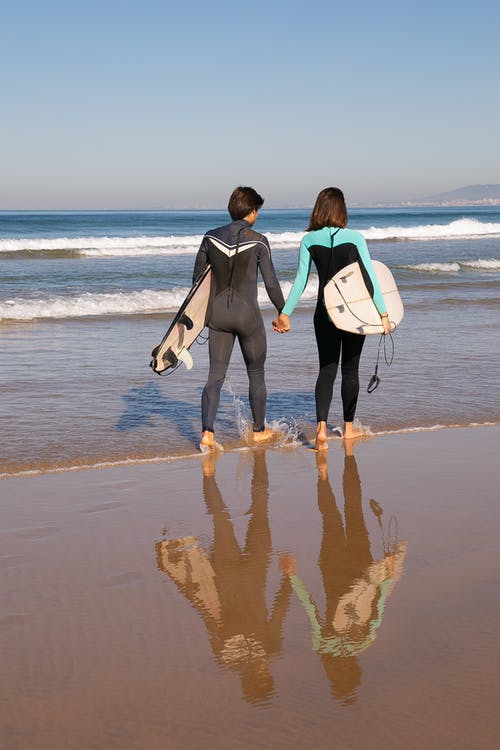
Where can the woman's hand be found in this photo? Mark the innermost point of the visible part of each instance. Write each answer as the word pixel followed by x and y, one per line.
pixel 386 323
pixel 281 324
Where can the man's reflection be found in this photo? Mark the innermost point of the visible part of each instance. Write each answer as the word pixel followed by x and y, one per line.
pixel 227 585
pixel 356 586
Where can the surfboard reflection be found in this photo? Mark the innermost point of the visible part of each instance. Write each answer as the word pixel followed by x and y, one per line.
pixel 356 585
pixel 227 584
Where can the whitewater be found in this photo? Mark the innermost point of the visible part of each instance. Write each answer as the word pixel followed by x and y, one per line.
pixel 142 245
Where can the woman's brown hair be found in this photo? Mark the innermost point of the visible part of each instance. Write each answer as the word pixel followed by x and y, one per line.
pixel 329 210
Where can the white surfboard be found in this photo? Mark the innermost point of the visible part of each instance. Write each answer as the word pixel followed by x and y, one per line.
pixel 186 326
pixel 350 305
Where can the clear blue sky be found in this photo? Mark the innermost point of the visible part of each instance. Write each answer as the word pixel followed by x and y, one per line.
pixel 163 104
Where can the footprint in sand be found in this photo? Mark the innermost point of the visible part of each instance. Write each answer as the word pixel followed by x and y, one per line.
pixel 9 622
pixel 104 506
pixel 122 579
pixel 35 533
pixel 10 561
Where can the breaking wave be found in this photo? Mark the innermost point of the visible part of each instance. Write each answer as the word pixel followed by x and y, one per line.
pixel 105 247
pixel 491 264
pixel 144 302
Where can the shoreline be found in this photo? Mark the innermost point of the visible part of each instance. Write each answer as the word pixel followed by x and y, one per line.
pixel 231 446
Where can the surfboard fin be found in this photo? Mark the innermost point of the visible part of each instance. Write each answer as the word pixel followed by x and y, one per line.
pixel 185 357
pixel 185 320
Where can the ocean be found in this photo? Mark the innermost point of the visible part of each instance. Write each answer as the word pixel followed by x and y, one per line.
pixel 85 296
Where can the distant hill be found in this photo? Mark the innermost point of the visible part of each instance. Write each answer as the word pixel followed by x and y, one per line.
pixel 469 195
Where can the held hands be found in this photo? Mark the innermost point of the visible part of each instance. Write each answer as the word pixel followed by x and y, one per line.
pixel 281 324
pixel 287 563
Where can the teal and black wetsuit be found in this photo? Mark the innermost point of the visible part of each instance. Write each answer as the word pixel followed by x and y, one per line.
pixel 236 253
pixel 331 249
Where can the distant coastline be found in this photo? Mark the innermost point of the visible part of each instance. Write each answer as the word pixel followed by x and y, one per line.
pixel 457 203
pixel 470 195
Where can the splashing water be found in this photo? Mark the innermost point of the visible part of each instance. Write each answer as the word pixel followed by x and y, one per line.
pixel 288 431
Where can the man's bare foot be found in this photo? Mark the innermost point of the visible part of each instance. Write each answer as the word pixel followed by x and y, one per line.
pixel 208 442
pixel 321 439
pixel 265 434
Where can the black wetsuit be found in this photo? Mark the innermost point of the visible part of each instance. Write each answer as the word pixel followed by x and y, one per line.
pixel 331 249
pixel 236 252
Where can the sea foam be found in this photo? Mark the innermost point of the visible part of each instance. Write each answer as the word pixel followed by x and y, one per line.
pixel 491 264
pixel 144 302
pixel 96 247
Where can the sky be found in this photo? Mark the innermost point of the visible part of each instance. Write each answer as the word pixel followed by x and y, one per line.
pixel 149 104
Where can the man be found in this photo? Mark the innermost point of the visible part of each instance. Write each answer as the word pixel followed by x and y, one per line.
pixel 236 253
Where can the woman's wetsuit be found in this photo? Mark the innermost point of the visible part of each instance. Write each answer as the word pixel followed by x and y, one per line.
pixel 331 249
pixel 236 252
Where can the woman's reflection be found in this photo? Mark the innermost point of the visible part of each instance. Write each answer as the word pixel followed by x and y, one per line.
pixel 356 586
pixel 227 585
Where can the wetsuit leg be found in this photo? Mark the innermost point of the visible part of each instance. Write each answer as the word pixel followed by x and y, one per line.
pixel 352 345
pixel 331 344
pixel 254 350
pixel 328 341
pixel 220 345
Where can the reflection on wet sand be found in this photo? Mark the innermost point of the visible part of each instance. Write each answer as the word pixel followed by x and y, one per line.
pixel 356 586
pixel 227 584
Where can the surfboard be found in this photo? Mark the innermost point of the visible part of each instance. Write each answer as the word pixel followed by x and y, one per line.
pixel 184 329
pixel 349 303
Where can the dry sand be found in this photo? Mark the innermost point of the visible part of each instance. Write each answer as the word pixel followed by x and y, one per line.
pixel 259 601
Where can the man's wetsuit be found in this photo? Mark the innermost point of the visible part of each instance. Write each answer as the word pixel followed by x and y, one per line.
pixel 332 249
pixel 236 252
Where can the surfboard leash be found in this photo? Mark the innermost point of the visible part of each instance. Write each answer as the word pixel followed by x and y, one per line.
pixel 375 380
pixel 201 338
pixel 168 371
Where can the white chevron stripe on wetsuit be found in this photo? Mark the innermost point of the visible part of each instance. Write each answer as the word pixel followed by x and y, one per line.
pixel 230 250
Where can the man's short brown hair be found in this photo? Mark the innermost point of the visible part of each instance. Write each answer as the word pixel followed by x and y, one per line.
pixel 243 201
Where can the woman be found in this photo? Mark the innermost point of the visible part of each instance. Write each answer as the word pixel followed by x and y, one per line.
pixel 236 253
pixel 332 247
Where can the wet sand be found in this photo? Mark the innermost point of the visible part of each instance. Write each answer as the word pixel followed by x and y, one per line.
pixel 266 599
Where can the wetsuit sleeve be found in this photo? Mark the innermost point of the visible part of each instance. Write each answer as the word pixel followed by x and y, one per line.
pixel 310 608
pixel 201 259
pixel 364 254
pixel 271 282
pixel 278 614
pixel 300 282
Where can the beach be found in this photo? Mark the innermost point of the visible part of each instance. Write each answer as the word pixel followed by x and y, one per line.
pixel 153 597
pixel 266 597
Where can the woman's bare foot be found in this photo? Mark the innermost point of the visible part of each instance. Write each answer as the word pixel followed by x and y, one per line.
pixel 350 432
pixel 265 434
pixel 321 439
